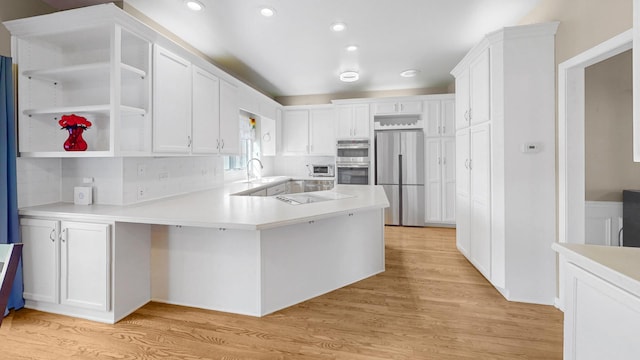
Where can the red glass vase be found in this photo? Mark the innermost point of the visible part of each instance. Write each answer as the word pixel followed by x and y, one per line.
pixel 75 142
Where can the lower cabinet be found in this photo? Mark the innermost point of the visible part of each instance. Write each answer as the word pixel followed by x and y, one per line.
pixel 67 263
pixel 440 180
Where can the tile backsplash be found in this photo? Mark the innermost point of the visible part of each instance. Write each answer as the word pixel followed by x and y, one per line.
pixel 115 181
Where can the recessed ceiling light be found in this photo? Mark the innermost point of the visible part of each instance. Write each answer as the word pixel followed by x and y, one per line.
pixel 194 5
pixel 349 76
pixel 267 12
pixel 409 73
pixel 352 48
pixel 337 27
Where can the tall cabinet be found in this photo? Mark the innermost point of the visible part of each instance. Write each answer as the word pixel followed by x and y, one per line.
pixel 505 160
pixel 440 159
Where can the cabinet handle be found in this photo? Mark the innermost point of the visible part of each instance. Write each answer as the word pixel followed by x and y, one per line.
pixel 222 144
pixel 466 164
pixel 52 235
pixel 217 144
pixel 439 130
pixel 444 161
pixel 470 116
pixel 439 161
pixel 470 163
pixel 63 236
pixel 401 107
pixel 188 141
pixel 395 107
pixel 444 129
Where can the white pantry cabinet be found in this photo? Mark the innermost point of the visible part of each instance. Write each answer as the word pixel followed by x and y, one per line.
pixel 397 107
pixel 352 121
pixel 195 111
pixel 308 130
pixel 505 207
pixel 93 62
pixel 67 263
pixel 440 158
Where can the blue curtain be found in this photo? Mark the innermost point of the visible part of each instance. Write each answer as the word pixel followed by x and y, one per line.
pixel 8 188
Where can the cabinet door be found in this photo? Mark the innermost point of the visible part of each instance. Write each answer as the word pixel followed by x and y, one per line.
pixel 322 135
pixel 448 170
pixel 171 102
pixel 480 212
pixel 388 107
pixel 462 100
pixel 85 270
pixel 40 256
pixel 432 113
pixel 463 198
pixel 447 118
pixel 205 112
pixel 344 122
pixel 410 107
pixel 295 131
pixel 268 136
pixel 229 119
pixel 480 94
pixel 433 181
pixel 361 121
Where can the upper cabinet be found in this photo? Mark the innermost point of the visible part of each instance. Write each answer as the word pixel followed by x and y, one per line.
pixel 472 92
pixel 172 102
pixel 308 130
pixel 439 116
pixel 397 107
pixel 352 121
pixel 92 62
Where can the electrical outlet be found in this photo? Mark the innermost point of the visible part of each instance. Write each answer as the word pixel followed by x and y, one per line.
pixel 142 169
pixel 141 192
pixel 163 176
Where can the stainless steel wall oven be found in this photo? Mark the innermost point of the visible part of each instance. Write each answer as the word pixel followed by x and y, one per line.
pixel 353 161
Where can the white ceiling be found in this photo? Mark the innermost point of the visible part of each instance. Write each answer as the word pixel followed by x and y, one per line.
pixel 295 53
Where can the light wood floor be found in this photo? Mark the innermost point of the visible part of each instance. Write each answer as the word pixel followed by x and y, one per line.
pixel 430 303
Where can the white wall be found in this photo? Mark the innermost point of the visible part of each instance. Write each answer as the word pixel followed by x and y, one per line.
pixel 39 181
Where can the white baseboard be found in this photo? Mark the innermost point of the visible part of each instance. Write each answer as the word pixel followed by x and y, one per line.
pixel 603 222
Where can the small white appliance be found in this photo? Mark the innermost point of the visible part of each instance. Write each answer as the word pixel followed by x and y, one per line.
pixel 83 195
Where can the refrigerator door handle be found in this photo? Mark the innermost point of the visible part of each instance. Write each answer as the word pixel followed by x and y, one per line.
pixel 400 188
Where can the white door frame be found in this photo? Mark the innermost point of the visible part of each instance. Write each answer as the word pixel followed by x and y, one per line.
pixel 571 144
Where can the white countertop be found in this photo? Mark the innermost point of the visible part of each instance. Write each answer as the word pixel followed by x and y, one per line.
pixel 217 208
pixel 618 265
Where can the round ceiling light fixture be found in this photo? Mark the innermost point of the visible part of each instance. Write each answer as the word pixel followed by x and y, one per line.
pixel 352 48
pixel 337 27
pixel 409 73
pixel 194 5
pixel 267 12
pixel 349 76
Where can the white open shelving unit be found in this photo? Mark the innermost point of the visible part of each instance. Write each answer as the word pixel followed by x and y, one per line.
pixel 98 66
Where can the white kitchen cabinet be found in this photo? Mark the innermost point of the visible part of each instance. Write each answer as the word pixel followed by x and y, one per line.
pixel 171 102
pixel 440 180
pixel 505 207
pixel 92 62
pixel 229 119
pixel 439 116
pixel 67 262
pixel 195 111
pixel 352 121
pixel 308 130
pixel 473 87
pixel 397 107
pixel 473 198
pixel 205 121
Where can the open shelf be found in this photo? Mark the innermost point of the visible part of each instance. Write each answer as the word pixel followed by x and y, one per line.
pixel 83 72
pixel 85 109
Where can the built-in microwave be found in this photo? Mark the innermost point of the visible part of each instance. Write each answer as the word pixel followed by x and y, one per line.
pixel 350 151
pixel 326 170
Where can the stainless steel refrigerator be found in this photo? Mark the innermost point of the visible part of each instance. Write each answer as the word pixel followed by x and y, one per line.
pixel 400 171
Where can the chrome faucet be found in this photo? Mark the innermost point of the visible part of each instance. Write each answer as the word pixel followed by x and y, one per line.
pixel 249 162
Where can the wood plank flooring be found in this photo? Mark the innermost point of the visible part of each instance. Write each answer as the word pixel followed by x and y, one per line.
pixel 430 303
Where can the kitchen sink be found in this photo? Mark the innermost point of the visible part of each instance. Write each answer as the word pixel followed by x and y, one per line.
pixel 272 186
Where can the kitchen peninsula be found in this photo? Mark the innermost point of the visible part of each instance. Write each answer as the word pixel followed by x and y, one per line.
pixel 211 249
